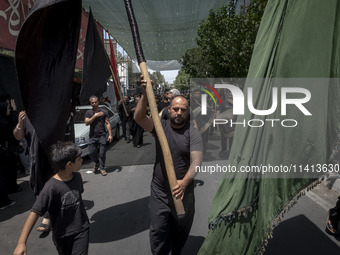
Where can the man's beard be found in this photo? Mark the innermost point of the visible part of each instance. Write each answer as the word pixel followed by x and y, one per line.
pixel 177 121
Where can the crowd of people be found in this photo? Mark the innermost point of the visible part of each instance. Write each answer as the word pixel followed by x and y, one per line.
pixel 187 133
pixel 126 109
pixel 16 132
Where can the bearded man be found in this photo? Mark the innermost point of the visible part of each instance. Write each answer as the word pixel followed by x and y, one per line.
pixel 167 231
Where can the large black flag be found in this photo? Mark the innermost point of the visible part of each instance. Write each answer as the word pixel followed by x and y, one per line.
pixel 45 59
pixel 96 69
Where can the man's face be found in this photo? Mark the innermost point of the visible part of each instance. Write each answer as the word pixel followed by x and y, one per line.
pixel 229 96
pixel 169 96
pixel 126 99
pixel 94 103
pixel 197 95
pixel 165 96
pixel 178 111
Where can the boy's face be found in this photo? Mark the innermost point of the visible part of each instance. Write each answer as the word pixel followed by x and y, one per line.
pixel 77 164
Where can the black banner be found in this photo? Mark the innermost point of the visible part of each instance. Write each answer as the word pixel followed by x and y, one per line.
pixel 96 69
pixel 45 58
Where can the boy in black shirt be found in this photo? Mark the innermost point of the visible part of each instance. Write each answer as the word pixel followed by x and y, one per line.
pixel 61 197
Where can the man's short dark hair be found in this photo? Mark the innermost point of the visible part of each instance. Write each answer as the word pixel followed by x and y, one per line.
pixel 62 153
pixel 95 97
pixel 172 99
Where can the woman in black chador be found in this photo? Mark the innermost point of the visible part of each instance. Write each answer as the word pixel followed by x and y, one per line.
pixel 8 119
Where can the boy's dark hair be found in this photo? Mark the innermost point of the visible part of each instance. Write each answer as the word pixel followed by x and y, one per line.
pixel 62 153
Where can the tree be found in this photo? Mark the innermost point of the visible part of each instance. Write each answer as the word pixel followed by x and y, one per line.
pixel 159 78
pixel 225 41
pixel 182 81
pixel 194 63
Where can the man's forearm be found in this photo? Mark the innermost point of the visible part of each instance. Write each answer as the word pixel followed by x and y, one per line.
pixel 191 173
pixel 89 121
pixel 140 114
pixel 196 162
pixel 19 132
pixel 108 126
pixel 140 111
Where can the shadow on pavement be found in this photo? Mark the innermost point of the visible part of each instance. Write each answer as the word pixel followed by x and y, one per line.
pixel 88 204
pixel 24 201
pixel 111 169
pixel 192 245
pixel 198 183
pixel 120 221
pixel 146 144
pixel 299 235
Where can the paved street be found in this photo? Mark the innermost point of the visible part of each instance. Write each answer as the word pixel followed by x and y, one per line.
pixel 117 206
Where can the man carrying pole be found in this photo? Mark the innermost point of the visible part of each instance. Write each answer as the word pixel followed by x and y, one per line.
pixel 169 232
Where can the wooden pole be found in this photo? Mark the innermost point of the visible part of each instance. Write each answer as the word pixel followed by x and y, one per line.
pixel 153 108
pixel 170 171
pixel 118 88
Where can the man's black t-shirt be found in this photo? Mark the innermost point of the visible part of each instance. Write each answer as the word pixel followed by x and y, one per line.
pixel 181 142
pixel 128 107
pixel 63 201
pixel 161 105
pixel 98 126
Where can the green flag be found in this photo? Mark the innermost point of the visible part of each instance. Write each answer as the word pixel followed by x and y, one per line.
pixel 296 39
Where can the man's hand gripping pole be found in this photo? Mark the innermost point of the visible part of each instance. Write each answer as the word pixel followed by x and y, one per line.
pixel 153 107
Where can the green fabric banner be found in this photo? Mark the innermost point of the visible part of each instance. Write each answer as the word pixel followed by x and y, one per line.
pixel 296 39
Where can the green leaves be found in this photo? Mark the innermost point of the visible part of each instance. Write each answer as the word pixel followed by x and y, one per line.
pixel 182 82
pixel 225 41
pixel 158 77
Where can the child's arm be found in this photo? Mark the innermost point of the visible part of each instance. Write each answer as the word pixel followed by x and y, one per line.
pixel 26 230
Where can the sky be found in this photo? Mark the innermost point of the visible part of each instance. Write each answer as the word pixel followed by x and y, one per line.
pixel 170 76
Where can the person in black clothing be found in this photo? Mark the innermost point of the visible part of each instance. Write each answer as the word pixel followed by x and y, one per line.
pixel 138 131
pixel 39 167
pixel 226 131
pixel 98 120
pixel 125 117
pixel 334 213
pixel 7 119
pixel 333 219
pixel 201 120
pixel 164 102
pixel 13 147
pixel 168 233
pixel 61 197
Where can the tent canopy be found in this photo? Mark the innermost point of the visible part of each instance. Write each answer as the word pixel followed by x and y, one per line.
pixel 167 28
